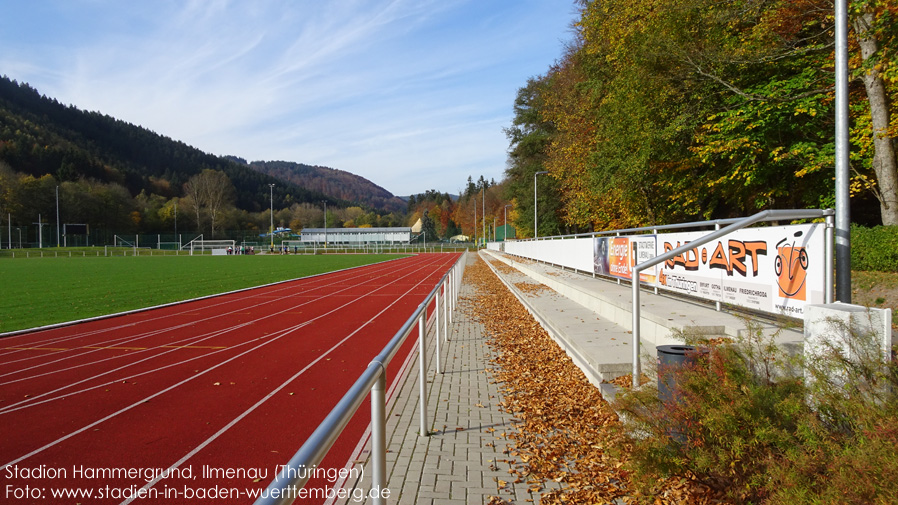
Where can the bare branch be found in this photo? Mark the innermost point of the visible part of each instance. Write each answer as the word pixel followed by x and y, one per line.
pixel 754 96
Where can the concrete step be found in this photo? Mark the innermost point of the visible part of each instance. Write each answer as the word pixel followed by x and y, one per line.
pixel 591 317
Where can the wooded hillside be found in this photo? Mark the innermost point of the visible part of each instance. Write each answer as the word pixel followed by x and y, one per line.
pixel 680 110
pixel 330 181
pixel 124 178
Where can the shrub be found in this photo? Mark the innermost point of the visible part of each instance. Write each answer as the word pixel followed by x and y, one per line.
pixel 747 422
pixel 852 459
pixel 874 249
pixel 729 423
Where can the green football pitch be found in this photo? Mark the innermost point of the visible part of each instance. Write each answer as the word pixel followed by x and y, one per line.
pixel 41 291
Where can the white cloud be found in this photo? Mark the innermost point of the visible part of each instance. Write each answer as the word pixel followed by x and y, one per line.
pixel 410 94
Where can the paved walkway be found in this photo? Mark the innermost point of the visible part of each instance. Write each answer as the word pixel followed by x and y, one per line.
pixel 463 460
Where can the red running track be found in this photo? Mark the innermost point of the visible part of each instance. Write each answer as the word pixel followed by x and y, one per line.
pixel 210 395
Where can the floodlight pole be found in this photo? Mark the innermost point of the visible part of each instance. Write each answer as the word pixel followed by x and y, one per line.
pixel 475 225
pixel 843 215
pixel 325 223
pixel 535 217
pixel 271 216
pixel 57 216
pixel 485 238
pixel 505 224
pixel 40 232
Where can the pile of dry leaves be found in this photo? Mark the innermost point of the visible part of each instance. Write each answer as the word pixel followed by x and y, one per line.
pixel 502 267
pixel 565 430
pixel 530 288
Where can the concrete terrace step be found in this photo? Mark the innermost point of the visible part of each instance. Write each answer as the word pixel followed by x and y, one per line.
pixel 592 317
pixel 601 348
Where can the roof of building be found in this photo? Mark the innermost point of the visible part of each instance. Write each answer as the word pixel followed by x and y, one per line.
pixel 403 229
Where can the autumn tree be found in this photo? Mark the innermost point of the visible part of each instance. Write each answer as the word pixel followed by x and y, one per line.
pixel 428 227
pixel 670 110
pixel 439 209
pixel 529 137
pixel 875 24
pixel 350 216
pixel 168 214
pixel 209 192
pixel 9 182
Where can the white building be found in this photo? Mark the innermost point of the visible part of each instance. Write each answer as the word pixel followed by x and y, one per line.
pixel 356 235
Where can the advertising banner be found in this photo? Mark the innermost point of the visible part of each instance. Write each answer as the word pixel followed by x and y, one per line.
pixel 615 256
pixel 776 269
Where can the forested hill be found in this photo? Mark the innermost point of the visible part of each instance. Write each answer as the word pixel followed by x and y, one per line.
pixel 330 181
pixel 40 136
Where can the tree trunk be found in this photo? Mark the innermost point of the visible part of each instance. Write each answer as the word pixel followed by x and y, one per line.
pixel 884 160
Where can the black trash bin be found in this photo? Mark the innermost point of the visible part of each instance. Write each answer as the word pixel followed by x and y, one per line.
pixel 670 359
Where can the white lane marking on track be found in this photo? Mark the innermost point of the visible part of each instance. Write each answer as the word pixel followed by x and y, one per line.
pixel 248 411
pixel 134 338
pixel 174 386
pixel 55 340
pixel 33 399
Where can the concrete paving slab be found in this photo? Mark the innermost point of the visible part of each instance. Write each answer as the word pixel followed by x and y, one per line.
pixel 461 460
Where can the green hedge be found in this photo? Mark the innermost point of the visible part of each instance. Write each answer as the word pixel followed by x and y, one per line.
pixel 874 249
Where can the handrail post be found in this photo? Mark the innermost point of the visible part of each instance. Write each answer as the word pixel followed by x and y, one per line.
pixel 655 232
pixel 717 303
pixel 450 282
pixel 830 251
pixel 379 438
pixel 446 297
pixel 637 372
pixel 422 376
pixel 453 283
pixel 456 288
pixel 436 327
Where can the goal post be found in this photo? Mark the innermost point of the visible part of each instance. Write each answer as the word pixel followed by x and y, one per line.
pixel 215 247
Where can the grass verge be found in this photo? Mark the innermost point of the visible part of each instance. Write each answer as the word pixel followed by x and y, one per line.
pixel 38 292
pixel 876 289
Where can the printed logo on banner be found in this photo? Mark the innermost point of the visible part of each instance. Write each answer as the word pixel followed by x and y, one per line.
pixel 693 272
pixel 600 256
pixel 791 268
pixel 619 257
pixel 642 249
pixel 731 259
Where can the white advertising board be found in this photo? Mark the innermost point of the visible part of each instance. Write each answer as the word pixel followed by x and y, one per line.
pixel 778 270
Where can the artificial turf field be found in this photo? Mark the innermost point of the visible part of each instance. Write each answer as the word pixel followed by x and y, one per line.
pixel 41 291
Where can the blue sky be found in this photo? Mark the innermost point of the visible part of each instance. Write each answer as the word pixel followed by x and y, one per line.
pixel 411 94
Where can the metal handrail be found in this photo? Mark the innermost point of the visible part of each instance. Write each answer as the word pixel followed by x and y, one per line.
pixel 283 489
pixel 767 215
pixel 677 226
